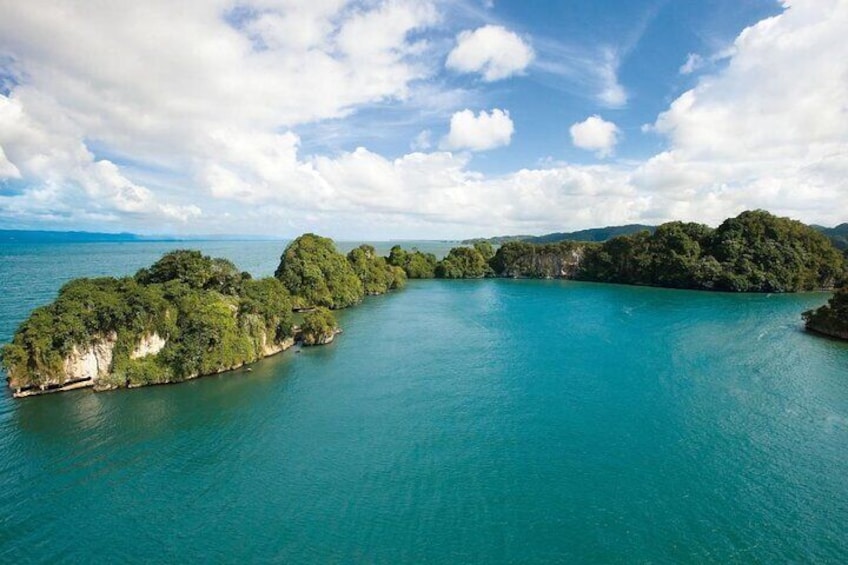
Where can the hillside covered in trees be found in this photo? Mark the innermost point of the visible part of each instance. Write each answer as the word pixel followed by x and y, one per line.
pixel 753 252
pixel 189 315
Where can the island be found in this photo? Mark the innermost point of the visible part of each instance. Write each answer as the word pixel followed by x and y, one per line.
pixel 831 319
pixel 186 316
pixel 190 315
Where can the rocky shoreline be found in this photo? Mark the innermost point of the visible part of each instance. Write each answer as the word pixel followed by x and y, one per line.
pixel 96 354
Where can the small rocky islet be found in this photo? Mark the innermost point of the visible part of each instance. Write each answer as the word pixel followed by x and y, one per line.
pixel 190 315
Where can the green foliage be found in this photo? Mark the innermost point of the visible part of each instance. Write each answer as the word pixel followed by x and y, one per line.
pixel 416 265
pixel 485 249
pixel 319 326
pixel 195 270
pixel 317 275
pixel 463 263
pixel 754 252
pixel 832 318
pixel 762 253
pixel 211 316
pixel 375 273
pixel 268 299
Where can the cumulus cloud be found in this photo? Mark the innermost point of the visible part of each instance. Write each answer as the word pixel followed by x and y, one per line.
pixel 479 133
pixel 7 169
pixel 89 121
pixel 492 51
pixel 200 92
pixel 595 134
pixel 771 129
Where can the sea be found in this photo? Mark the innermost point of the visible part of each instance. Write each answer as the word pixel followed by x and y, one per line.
pixel 485 421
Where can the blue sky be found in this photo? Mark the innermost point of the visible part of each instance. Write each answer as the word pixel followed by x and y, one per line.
pixel 383 119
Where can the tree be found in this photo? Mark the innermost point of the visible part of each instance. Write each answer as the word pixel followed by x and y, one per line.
pixel 463 263
pixel 319 327
pixel 376 274
pixel 832 318
pixel 318 275
pixel 416 265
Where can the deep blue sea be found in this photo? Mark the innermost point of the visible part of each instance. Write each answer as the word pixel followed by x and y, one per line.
pixel 488 421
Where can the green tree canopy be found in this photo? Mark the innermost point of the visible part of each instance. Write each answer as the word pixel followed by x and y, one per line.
pixel 319 326
pixel 832 318
pixel 463 263
pixel 376 274
pixel 416 265
pixel 318 275
pixel 194 270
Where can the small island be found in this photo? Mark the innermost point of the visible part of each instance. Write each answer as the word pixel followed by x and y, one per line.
pixel 190 315
pixel 832 318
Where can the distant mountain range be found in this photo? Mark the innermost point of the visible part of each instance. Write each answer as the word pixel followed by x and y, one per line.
pixel 594 234
pixel 838 235
pixel 39 236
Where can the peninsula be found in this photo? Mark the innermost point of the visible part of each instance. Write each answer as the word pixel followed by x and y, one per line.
pixel 189 315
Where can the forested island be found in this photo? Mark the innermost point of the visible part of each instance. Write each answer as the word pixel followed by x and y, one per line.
pixel 190 315
pixel 186 316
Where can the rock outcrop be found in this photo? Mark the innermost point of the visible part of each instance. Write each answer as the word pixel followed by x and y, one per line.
pixel 91 366
pixel 150 344
pixel 832 318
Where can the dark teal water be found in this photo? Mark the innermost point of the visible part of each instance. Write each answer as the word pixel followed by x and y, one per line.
pixel 471 421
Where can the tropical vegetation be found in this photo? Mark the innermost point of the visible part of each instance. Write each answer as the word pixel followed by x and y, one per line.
pixel 319 326
pixel 210 316
pixel 832 318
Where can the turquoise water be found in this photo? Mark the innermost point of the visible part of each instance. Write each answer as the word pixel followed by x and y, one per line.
pixel 469 421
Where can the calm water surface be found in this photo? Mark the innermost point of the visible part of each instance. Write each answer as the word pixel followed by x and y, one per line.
pixel 469 421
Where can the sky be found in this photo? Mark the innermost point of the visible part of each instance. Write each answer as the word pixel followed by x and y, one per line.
pixel 419 119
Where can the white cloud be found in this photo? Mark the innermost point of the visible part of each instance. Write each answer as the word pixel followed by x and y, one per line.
pixel 422 141
pixel 479 133
pixel 595 134
pixel 770 130
pixel 612 94
pixel 66 176
pixel 591 73
pixel 7 169
pixel 92 119
pixel 692 64
pixel 493 51
pixel 200 91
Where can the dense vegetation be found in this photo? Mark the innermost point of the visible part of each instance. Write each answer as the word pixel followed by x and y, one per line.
pixel 211 316
pixel 318 275
pixel 754 252
pixel 375 273
pixel 319 326
pixel 832 318
pixel 466 262
pixel 202 314
pixel 416 265
pixel 837 235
